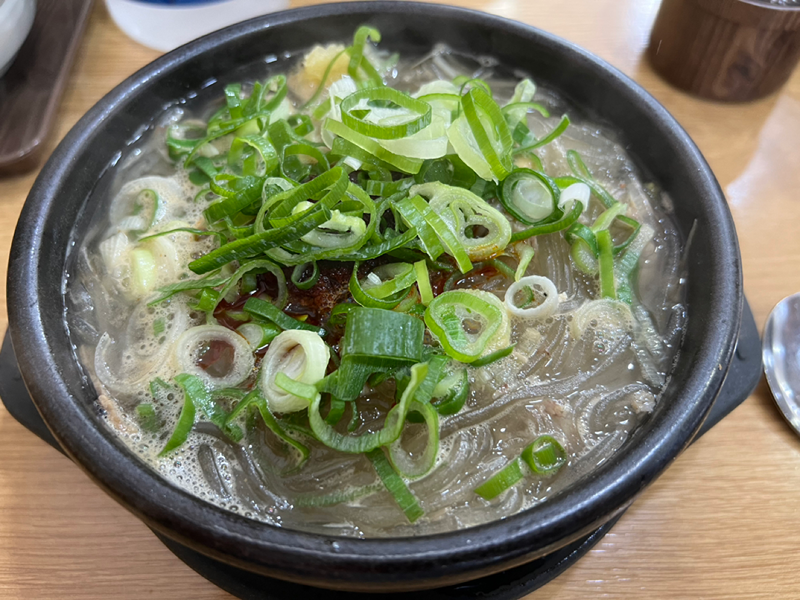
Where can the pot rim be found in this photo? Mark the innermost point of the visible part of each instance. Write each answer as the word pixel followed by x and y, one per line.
pixel 331 561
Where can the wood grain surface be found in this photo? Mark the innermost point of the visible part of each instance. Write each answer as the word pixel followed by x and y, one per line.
pixel 722 522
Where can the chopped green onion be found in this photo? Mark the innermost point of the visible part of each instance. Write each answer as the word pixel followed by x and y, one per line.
pixel 423 282
pixel 389 279
pixel 477 99
pixel 452 314
pixel 502 268
pixel 584 249
pixel 147 417
pixel 357 59
pixel 607 286
pixel 374 341
pixel 577 165
pixel 559 129
pixel 254 398
pixel 413 211
pixel 475 82
pixel 518 106
pixel 254 267
pixel 296 388
pixel 208 299
pixel 364 298
pixel 635 227
pixel 607 217
pixel 336 411
pixel 545 455
pixel 493 357
pixel 183 428
pixel 597 189
pixel 396 486
pixel 563 223
pixel 283 204
pixel 480 229
pixel 261 147
pixel 401 460
pixel 401 163
pixel 526 253
pixel 529 196
pixel 299 278
pixel 392 427
pixel 580 233
pixel 267 310
pixel 294 169
pixel 201 398
pixel 233 99
pixel 421 110
pixel 451 393
pixel 272 423
pixel 259 243
pixel 385 247
pixel 248 191
pixel 159 327
pixel 258 335
pixel 498 483
pixel 301 124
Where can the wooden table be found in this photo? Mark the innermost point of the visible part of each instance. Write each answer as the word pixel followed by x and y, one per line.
pixel 723 522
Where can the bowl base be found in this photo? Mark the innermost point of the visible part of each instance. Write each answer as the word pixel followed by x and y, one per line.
pixel 742 378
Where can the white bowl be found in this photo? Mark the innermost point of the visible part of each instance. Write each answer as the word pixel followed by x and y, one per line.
pixel 165 27
pixel 16 20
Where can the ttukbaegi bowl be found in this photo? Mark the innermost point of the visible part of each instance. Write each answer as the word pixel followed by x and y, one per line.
pixel 57 207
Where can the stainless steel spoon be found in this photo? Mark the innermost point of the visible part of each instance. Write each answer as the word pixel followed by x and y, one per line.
pixel 781 357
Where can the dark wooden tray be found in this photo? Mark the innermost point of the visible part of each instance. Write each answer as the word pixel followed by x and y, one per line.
pixel 31 89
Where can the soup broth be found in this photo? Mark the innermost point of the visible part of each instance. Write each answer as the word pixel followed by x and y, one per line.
pixel 583 374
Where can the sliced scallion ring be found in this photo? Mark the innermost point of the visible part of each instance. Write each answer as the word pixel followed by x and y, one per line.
pixel 479 228
pixel 225 356
pixel 464 322
pixel 300 355
pixel 529 196
pixel 418 113
pixel 366 143
pixel 532 297
pixel 545 455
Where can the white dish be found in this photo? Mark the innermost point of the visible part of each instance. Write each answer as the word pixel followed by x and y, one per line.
pixel 163 27
pixel 16 20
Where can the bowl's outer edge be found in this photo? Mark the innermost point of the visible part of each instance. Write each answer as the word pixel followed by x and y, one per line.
pixel 374 564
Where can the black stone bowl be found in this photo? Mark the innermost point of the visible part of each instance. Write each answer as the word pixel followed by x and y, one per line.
pixel 59 206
